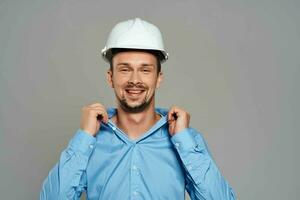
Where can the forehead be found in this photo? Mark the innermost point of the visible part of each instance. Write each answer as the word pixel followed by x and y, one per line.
pixel 134 58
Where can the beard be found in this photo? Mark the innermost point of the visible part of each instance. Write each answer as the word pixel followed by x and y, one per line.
pixel 137 108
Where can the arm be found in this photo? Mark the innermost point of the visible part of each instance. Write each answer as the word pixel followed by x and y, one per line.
pixel 67 179
pixel 204 180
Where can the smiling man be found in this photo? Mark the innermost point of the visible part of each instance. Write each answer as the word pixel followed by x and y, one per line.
pixel 136 150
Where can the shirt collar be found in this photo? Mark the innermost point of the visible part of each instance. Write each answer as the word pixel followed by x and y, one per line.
pixel 111 111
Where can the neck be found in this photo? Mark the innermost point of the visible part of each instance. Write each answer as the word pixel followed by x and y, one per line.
pixel 135 124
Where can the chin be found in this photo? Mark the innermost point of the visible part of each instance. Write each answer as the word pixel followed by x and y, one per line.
pixel 134 105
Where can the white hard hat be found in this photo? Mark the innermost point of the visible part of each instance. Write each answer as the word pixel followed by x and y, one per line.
pixel 134 34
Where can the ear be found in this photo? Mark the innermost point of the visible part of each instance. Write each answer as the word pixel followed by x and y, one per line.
pixel 109 80
pixel 159 79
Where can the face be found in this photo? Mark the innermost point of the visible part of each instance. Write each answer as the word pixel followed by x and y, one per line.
pixel 134 80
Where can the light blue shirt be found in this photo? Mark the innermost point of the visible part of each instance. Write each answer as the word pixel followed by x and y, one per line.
pixel 155 166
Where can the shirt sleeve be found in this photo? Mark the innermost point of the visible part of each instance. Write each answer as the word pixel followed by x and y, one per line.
pixel 204 181
pixel 67 179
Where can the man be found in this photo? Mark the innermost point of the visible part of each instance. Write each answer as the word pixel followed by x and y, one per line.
pixel 136 150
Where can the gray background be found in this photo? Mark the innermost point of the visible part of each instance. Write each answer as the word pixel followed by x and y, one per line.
pixel 234 65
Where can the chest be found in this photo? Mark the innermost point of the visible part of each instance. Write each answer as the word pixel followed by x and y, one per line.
pixel 150 167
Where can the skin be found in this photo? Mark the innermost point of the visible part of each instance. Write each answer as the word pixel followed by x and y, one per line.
pixel 133 72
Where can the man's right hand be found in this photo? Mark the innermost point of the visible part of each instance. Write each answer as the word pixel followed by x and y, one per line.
pixel 89 121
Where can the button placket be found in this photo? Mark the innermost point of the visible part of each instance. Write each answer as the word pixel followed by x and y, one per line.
pixel 134 174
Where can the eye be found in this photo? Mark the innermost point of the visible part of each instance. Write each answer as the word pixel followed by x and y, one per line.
pixel 146 70
pixel 124 70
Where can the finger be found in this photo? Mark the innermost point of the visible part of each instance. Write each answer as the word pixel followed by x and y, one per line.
pixel 170 114
pixel 95 105
pixel 171 128
pixel 173 113
pixel 103 114
pixel 170 121
pixel 100 106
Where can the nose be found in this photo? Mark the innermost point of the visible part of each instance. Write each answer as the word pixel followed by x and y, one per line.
pixel 135 77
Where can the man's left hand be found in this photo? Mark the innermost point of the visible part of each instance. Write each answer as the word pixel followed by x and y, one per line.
pixel 178 120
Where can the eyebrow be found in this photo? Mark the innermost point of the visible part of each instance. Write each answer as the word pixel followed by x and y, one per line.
pixel 143 65
pixel 127 64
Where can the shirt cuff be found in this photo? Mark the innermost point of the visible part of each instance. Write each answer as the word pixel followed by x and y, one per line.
pixel 184 140
pixel 82 142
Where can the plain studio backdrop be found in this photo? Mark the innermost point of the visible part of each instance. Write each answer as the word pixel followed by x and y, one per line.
pixel 234 65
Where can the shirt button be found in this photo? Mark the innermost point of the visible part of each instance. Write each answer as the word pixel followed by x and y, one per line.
pixel 91 146
pixel 134 167
pixel 190 167
pixel 135 193
pixel 114 128
pixel 177 144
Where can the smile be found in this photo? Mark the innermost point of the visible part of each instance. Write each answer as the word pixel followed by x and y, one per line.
pixel 134 92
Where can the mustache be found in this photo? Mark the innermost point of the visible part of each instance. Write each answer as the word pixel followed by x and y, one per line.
pixel 137 85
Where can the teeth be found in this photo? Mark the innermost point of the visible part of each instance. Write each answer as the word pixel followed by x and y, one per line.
pixel 134 91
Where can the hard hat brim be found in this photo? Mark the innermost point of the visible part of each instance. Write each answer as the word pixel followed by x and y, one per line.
pixel 107 53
